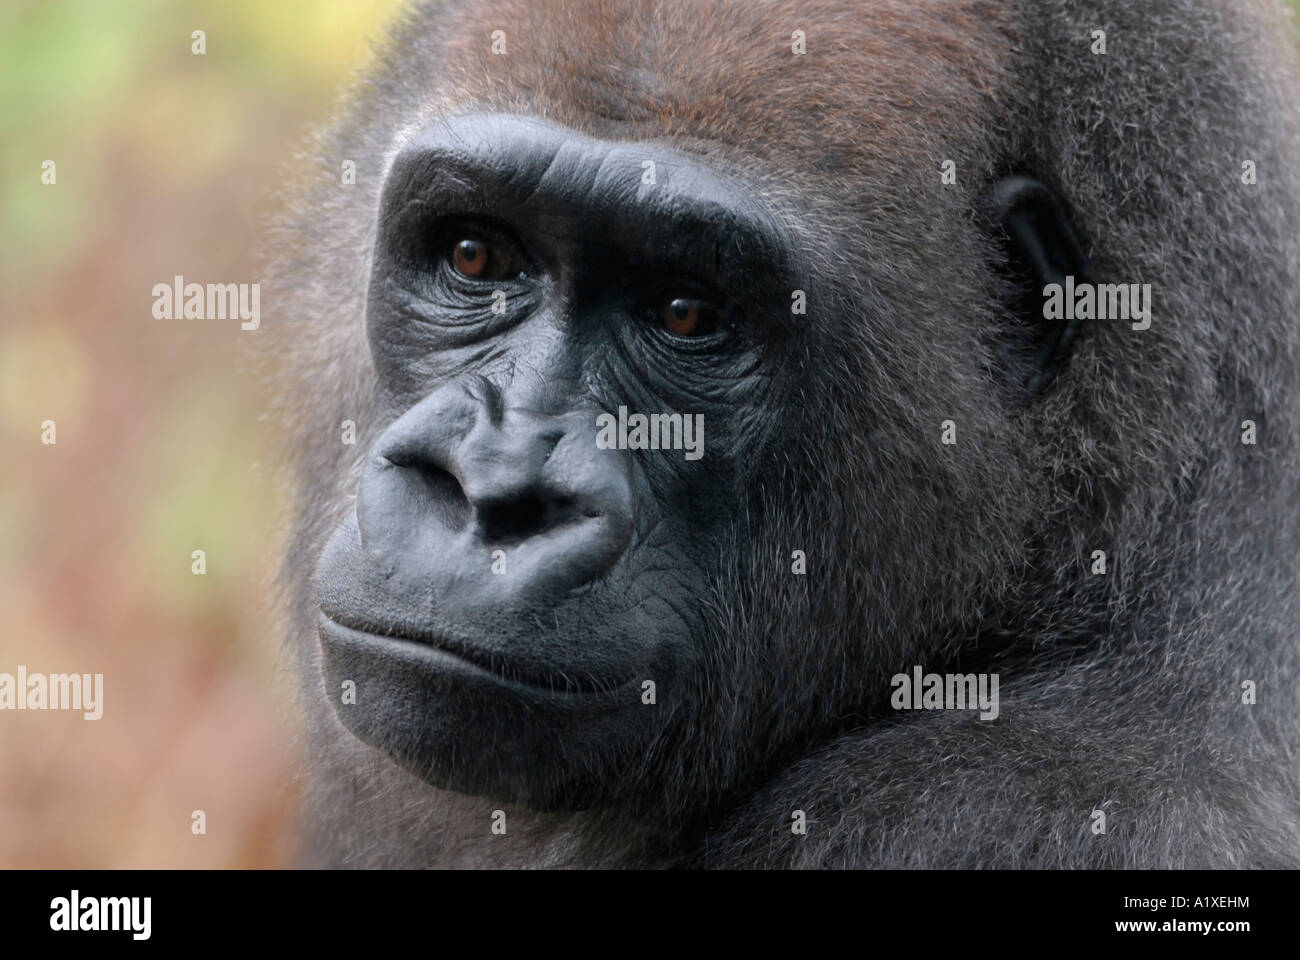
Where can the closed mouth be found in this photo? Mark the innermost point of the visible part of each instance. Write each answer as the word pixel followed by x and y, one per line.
pixel 444 653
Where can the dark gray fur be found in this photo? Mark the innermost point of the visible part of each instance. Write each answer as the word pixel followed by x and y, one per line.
pixel 1119 692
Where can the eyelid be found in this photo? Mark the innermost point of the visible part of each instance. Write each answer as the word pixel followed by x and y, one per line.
pixel 450 230
pixel 726 329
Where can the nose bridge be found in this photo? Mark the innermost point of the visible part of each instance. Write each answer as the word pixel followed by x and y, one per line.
pixel 546 374
pixel 506 456
pixel 478 430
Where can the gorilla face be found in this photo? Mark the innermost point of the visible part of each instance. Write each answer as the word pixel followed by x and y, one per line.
pixel 507 585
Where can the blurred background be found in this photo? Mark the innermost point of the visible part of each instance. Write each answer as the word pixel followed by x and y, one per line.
pixel 166 163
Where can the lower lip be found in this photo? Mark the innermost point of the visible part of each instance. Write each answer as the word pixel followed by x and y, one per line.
pixel 445 661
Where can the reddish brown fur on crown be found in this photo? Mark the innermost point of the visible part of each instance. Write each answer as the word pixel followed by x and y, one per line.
pixel 879 76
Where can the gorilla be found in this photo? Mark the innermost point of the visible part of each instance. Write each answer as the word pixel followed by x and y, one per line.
pixel 671 389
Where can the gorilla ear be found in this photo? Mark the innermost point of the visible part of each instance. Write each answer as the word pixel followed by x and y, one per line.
pixel 1041 248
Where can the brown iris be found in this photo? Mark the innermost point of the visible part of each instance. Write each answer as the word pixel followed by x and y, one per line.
pixel 689 317
pixel 471 258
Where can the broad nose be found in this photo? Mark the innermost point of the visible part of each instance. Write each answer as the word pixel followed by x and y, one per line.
pixel 462 475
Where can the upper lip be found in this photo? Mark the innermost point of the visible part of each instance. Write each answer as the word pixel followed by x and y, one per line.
pixel 508 671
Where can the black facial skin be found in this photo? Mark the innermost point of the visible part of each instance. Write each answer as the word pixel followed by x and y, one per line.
pixel 475 680
pixel 472 679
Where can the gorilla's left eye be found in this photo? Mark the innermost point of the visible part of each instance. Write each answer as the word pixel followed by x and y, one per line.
pixel 690 317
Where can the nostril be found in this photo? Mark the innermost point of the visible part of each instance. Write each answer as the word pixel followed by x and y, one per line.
pixel 442 489
pixel 522 517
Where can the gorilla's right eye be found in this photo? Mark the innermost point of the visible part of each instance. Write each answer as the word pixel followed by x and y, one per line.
pixel 478 259
pixel 688 317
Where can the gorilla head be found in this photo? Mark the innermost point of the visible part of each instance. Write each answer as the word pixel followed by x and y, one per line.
pixel 702 382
